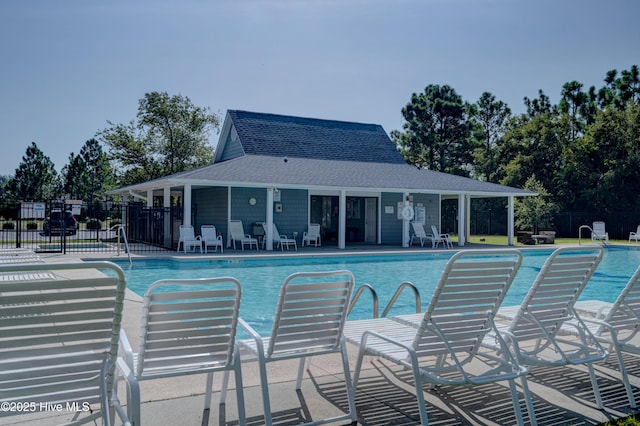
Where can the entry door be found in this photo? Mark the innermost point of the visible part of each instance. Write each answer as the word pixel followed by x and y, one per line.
pixel 370 221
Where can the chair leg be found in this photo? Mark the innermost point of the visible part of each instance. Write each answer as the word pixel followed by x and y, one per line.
pixel 625 377
pixel 351 397
pixel 596 389
pixel 266 403
pixel 208 391
pixel 528 401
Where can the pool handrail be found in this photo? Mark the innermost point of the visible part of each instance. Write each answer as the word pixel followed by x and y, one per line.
pixel 590 229
pixel 356 296
pixel 120 230
pixel 401 287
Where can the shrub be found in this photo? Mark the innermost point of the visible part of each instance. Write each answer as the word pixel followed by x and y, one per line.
pixel 94 224
pixel 32 226
pixel 8 225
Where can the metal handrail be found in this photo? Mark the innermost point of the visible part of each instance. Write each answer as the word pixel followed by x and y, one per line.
pixel 399 290
pixel 590 229
pixel 120 230
pixel 357 294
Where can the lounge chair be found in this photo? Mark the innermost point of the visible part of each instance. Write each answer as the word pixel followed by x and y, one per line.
pixel 599 233
pixel 310 315
pixel 59 341
pixel 236 233
pixel 278 239
pixel 438 238
pixel 18 255
pixel 635 235
pixel 210 238
pixel 188 239
pixel 419 234
pixel 312 235
pixel 189 329
pixel 441 345
pixel 618 327
pixel 534 332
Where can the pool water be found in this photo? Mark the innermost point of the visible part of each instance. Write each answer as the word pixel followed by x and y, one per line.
pixel 261 278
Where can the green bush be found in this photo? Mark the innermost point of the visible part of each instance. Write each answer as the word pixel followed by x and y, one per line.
pixel 94 224
pixel 32 226
pixel 8 225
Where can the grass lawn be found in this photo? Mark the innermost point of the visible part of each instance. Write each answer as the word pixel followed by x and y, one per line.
pixel 502 240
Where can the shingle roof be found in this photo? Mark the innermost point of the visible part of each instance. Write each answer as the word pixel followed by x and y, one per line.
pixel 281 135
pixel 303 172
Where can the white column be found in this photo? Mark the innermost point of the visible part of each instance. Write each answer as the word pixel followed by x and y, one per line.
pixel 342 227
pixel 462 210
pixel 150 198
pixel 269 230
pixel 405 223
pixel 186 219
pixel 166 203
pixel 510 220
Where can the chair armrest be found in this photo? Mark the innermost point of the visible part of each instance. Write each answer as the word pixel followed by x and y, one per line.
pixel 125 346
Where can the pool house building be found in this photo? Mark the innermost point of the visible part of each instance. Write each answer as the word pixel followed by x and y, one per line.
pixel 293 171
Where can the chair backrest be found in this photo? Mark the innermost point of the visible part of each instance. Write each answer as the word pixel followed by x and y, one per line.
pixel 311 311
pixel 208 232
pixel 59 337
pixel 313 231
pixel 550 300
pixel 470 291
pixel 188 325
pixel 275 234
pixel 625 312
pixel 599 228
pixel 435 231
pixel 418 229
pixel 236 229
pixel 187 233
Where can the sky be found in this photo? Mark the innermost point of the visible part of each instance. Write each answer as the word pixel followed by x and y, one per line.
pixel 69 67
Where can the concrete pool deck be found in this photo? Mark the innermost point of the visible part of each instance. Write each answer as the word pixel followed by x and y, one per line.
pixel 384 396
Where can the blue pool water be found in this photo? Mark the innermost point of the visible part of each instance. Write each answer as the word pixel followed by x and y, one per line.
pixel 261 278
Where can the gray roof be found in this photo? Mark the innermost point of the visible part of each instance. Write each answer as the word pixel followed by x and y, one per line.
pixel 295 152
pixel 282 135
pixel 261 170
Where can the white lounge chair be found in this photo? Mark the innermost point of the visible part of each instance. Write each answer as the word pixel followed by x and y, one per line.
pixel 236 233
pixel 635 235
pixel 441 345
pixel 312 235
pixel 599 232
pixel 19 255
pixel 188 239
pixel 534 332
pixel 279 240
pixel 210 238
pixel 309 320
pixel 419 233
pixel 59 341
pixel 438 238
pixel 619 327
pixel 190 329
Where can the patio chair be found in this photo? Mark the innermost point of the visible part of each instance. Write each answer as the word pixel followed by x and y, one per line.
pixel 279 240
pixel 635 235
pixel 312 235
pixel 188 239
pixel 534 332
pixel 59 340
pixel 618 327
pixel 438 238
pixel 188 327
pixel 442 346
pixel 419 233
pixel 599 233
pixel 210 238
pixel 236 233
pixel 309 318
pixel 18 255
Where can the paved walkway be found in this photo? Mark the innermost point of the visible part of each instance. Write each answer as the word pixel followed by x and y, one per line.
pixel 384 396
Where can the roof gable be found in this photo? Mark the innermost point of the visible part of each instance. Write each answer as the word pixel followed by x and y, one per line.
pixel 299 137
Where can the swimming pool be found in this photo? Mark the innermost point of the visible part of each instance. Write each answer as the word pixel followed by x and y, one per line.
pixel 261 278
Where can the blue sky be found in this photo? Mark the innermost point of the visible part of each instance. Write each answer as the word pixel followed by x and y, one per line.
pixel 69 66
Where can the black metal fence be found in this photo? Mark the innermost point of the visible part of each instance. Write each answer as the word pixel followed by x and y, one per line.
pixel 98 228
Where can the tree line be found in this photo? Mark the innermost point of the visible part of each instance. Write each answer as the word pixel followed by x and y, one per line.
pixel 581 154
